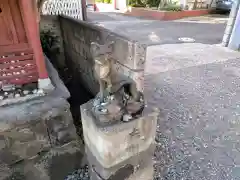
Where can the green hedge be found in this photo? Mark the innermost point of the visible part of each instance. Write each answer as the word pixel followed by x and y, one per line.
pixel 144 3
pixel 171 7
pixel 104 1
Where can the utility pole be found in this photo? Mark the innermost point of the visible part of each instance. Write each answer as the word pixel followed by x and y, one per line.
pixel 234 42
pixel 231 23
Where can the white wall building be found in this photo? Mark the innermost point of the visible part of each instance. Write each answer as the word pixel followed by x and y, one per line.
pixel 231 36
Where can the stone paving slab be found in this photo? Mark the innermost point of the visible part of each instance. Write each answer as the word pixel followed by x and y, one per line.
pixel 198 134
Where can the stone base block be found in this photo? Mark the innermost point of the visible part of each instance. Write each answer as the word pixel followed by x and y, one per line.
pixel 55 164
pixel 143 174
pixel 5 171
pixel 30 127
pixel 115 143
pixel 139 165
pixel 21 139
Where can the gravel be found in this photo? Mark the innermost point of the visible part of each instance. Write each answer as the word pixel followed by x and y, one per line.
pixel 80 174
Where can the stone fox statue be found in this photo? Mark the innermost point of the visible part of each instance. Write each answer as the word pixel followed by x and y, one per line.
pixel 110 82
pixel 102 67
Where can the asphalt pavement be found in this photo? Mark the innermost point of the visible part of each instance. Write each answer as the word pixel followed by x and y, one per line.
pixel 153 32
pixel 197 88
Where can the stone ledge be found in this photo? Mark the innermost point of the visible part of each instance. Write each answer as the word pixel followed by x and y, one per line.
pixel 133 137
pixel 31 127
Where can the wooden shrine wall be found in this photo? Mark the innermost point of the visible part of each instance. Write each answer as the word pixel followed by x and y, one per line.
pixel 17 64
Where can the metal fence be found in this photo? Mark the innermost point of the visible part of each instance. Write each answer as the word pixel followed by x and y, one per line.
pixel 72 8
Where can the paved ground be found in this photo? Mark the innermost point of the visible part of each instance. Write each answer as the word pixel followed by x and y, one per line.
pixel 212 18
pixel 197 90
pixel 153 32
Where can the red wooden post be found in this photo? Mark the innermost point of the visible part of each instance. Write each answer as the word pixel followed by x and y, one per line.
pixel 29 12
pixel 84 10
pixel 114 4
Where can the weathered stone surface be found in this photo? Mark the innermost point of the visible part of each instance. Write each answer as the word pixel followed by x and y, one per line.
pixel 132 137
pixel 129 56
pixel 130 169
pixel 5 171
pixel 23 141
pixel 136 75
pixel 55 164
pixel 60 161
pixel 51 23
pixel 36 125
pixel 145 173
pixel 60 128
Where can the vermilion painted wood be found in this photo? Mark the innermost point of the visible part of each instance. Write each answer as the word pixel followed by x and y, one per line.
pixel 32 73
pixel 14 48
pixel 31 25
pixel 18 21
pixel 20 43
pixel 16 58
pixel 17 52
pixel 16 64
pixel 115 4
pixel 24 80
pixel 8 34
pixel 18 69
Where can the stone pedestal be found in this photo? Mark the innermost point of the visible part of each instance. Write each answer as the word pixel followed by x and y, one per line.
pixel 121 150
pixel 38 136
pixel 135 167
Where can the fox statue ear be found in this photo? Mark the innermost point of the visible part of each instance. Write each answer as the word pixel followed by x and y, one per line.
pixel 94 49
pixel 98 49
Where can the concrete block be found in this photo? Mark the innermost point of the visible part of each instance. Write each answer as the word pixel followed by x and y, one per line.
pixel 5 171
pixel 23 141
pixel 136 75
pixel 55 164
pixel 114 143
pixel 60 128
pixel 33 126
pixel 128 55
pixel 60 161
pixel 26 139
pixel 146 173
pixel 140 165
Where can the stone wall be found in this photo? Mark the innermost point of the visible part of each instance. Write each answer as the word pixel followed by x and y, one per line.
pixel 128 56
pixel 51 23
